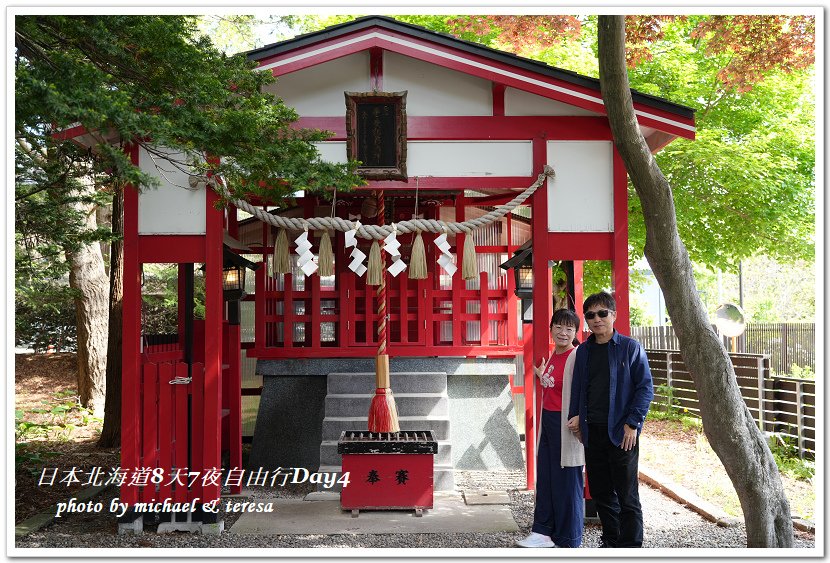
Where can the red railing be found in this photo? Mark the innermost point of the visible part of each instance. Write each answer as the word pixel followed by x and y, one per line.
pixel 167 438
pixel 341 321
pixel 171 401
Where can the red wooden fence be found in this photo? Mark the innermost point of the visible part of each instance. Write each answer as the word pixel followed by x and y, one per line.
pixel 424 319
pixel 168 439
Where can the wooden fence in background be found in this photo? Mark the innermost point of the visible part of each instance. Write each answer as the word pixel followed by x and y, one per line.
pixel 787 344
pixel 780 405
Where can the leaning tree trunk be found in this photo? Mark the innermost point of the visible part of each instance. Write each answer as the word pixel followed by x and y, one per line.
pixel 727 423
pixel 111 432
pixel 89 279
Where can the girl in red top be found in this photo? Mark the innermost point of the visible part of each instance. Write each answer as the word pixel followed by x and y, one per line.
pixel 559 513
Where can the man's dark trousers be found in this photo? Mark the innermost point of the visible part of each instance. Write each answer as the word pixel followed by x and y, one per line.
pixel 612 481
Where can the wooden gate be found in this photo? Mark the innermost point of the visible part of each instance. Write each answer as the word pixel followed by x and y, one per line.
pixel 171 435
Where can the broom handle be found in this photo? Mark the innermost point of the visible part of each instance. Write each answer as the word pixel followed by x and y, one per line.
pixel 381 291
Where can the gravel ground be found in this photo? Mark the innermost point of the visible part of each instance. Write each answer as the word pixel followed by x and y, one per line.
pixel 667 525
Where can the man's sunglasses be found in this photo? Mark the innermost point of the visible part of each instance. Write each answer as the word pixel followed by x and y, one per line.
pixel 602 313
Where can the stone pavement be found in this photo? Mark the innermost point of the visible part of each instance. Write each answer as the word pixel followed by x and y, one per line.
pixel 450 514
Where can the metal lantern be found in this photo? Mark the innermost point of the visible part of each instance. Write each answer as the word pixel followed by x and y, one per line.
pixel 524 278
pixel 233 282
pixel 522 265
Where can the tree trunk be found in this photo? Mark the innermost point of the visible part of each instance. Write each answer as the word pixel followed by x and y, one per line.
pixel 111 432
pixel 89 279
pixel 727 422
pixel 103 215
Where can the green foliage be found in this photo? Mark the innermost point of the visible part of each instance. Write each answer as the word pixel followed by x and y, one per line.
pixel 745 186
pixel 678 416
pixel 159 313
pixel 229 33
pixel 805 372
pixel 790 299
pixel 156 77
pixel 690 422
pixel 25 430
pixel 56 419
pixel 638 313
pixel 668 404
pixel 785 451
pixel 597 276
pixel 44 314
pixel 668 408
pixel 148 80
pixel 438 23
pixel 764 312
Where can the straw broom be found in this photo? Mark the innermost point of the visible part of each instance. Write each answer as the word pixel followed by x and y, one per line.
pixel 383 413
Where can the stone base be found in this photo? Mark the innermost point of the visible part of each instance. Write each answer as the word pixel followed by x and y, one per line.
pixel 480 427
pixel 208 529
pixel 289 422
pixel 198 521
pixel 204 523
pixel 131 527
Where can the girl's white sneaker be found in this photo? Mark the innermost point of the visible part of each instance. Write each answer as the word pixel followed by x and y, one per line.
pixel 536 540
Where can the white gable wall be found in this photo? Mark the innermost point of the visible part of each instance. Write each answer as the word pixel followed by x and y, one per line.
pixel 432 90
pixel 584 171
pixel 435 90
pixel 317 91
pixel 519 102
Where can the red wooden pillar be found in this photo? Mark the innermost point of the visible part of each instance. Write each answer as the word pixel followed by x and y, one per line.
pixel 542 302
pixel 181 305
pixel 214 304
pixel 234 399
pixel 511 300
pixel 530 405
pixel 233 221
pixel 619 263
pixel 131 336
pixel 579 289
pixel 312 285
pixel 459 304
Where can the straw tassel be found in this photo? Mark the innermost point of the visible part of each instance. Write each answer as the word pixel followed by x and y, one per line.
pixel 375 272
pixel 325 260
pixel 383 413
pixel 469 264
pixel 282 263
pixel 418 260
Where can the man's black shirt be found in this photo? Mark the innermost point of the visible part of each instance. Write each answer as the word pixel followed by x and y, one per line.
pixel 599 384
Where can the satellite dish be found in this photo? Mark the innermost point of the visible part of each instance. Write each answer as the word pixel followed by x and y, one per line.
pixel 729 318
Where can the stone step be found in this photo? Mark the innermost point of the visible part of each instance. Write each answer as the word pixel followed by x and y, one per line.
pixel 408 404
pixel 443 477
pixel 334 425
pixel 400 382
pixel 329 455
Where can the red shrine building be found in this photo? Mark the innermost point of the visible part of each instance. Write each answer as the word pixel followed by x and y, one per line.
pixel 445 129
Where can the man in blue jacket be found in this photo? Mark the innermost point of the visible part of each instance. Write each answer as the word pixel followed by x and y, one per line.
pixel 611 392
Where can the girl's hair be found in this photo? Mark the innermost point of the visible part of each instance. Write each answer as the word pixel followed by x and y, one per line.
pixel 568 318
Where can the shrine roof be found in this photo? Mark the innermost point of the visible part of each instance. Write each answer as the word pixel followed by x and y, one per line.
pixel 333 33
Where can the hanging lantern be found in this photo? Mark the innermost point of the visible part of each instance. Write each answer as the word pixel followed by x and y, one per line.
pixel 524 279
pixel 233 280
pixel 522 265
pixel 233 275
